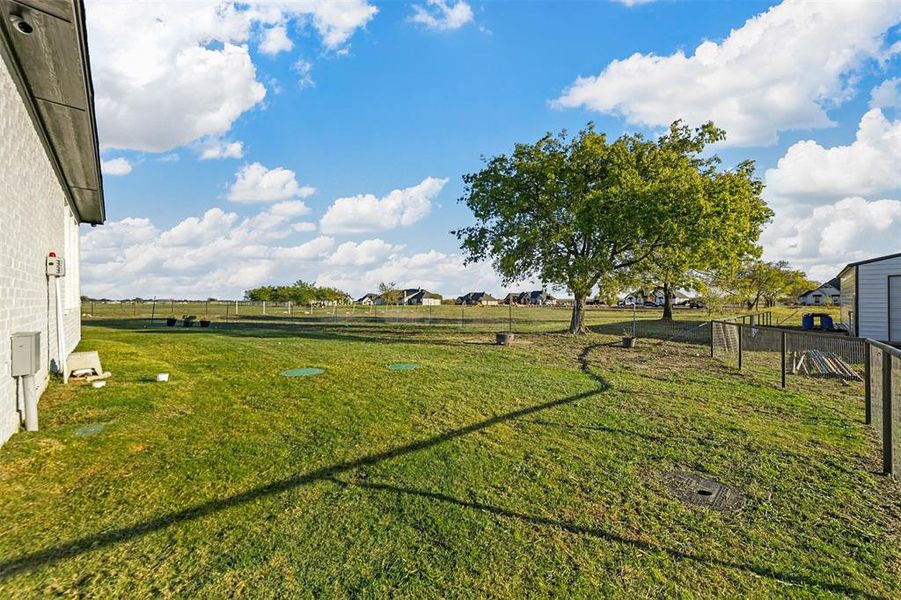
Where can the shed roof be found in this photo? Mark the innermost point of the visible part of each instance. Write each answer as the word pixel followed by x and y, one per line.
pixel 869 260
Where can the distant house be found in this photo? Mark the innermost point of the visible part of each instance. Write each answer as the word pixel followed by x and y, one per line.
pixel 870 298
pixel 419 296
pixel 655 297
pixel 828 293
pixel 477 299
pixel 536 298
pixel 369 299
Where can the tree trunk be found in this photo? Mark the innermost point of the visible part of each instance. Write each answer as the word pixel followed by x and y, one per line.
pixel 577 323
pixel 667 304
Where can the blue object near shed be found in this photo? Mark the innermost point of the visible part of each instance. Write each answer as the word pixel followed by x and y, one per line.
pixel 807 321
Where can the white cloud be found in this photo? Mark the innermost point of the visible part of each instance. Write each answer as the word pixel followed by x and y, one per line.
pixel 116 166
pixel 442 15
pixel 631 3
pixel 304 70
pixel 436 271
pixel 275 40
pixel 256 183
pixel 215 147
pixel 367 252
pixel 780 71
pixel 169 73
pixel 870 166
pixel 216 254
pixel 887 94
pixel 827 237
pixel 837 205
pixel 365 212
pixel 221 254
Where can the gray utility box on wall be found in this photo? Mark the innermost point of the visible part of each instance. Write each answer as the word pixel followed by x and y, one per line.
pixel 26 354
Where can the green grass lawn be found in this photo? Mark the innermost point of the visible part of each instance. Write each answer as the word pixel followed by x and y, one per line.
pixel 529 470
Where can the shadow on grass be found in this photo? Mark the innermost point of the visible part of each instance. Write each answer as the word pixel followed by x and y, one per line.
pixel 86 544
pixel 50 556
pixel 384 334
pixel 759 571
pixel 684 331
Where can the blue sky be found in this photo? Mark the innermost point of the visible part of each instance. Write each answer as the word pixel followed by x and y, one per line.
pixel 369 98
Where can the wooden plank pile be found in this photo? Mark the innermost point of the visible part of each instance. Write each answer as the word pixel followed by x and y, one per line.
pixel 817 363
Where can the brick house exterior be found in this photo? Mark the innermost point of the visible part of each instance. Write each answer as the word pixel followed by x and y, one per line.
pixel 49 184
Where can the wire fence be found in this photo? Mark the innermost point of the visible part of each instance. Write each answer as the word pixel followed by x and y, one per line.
pixel 687 325
pixel 808 354
pixel 882 392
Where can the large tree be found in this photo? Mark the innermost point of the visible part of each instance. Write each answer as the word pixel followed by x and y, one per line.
pixel 716 231
pixel 575 212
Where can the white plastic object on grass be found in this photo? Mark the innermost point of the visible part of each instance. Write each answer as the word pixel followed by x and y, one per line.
pixel 162 377
pixel 98 384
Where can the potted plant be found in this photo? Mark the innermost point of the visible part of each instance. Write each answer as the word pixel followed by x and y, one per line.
pixel 504 338
pixel 189 320
pixel 171 321
pixel 204 322
pixel 629 339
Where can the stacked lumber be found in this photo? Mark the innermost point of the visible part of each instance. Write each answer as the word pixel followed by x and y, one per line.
pixel 817 363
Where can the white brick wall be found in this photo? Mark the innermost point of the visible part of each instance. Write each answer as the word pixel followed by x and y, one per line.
pixel 33 219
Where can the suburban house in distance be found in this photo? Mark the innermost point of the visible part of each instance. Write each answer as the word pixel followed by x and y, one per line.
pixel 477 299
pixel 871 298
pixel 421 297
pixel 49 183
pixel 828 293
pixel 536 298
pixel 654 298
pixel 369 299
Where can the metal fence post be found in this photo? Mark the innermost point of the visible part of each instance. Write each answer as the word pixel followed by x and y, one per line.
pixel 888 466
pixel 867 391
pixel 782 351
pixel 711 338
pixel 740 328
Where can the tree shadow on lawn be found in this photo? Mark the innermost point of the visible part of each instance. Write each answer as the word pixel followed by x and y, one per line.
pixel 686 332
pixel 90 543
pixel 50 556
pixel 354 333
pixel 759 571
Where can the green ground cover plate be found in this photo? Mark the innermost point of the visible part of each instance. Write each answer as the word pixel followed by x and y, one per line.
pixel 90 429
pixel 302 372
pixel 402 366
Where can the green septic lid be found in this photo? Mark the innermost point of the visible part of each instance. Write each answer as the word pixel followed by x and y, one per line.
pixel 402 366
pixel 90 429
pixel 302 372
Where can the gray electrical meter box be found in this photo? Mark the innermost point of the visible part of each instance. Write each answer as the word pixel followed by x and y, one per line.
pixel 56 266
pixel 26 354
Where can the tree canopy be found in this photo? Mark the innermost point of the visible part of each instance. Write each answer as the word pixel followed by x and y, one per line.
pixel 300 292
pixel 756 281
pixel 578 212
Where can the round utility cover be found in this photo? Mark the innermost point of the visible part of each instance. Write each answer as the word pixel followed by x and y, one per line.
pixel 306 372
pixel 698 490
pixel 90 429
